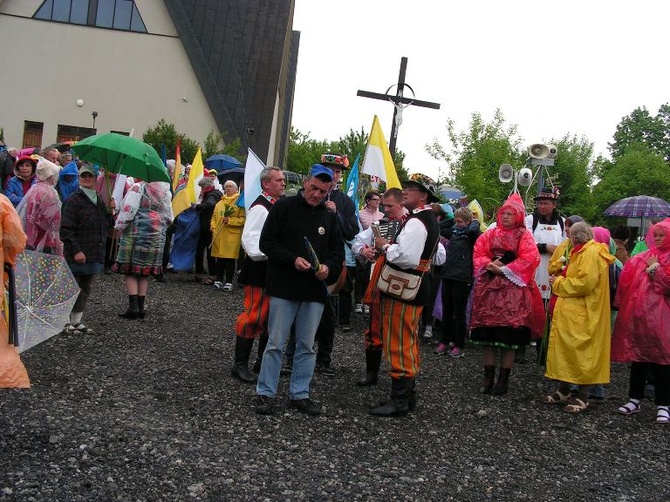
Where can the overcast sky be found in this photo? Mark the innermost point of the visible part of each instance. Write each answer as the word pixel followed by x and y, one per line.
pixel 552 68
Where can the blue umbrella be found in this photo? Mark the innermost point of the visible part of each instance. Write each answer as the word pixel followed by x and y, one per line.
pixel 222 162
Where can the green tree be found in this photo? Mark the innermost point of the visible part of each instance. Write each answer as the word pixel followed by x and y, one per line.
pixel 304 151
pixel 572 173
pixel 166 134
pixel 215 144
pixel 639 171
pixel 641 128
pixel 476 155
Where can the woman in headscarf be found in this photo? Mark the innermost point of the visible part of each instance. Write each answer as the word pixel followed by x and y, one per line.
pixel 226 225
pixel 507 308
pixel 146 212
pixel 579 343
pixel 24 178
pixel 642 328
pixel 40 210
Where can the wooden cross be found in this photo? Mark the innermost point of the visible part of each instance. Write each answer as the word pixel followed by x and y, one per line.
pixel 398 100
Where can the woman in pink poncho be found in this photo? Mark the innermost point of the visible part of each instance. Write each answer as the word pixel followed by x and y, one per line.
pixel 642 328
pixel 507 309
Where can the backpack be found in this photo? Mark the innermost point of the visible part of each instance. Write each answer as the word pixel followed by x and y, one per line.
pixel 614 273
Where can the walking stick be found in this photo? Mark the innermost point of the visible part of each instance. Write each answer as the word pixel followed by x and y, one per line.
pixel 12 319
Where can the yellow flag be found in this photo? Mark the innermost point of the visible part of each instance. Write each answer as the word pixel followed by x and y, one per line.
pixel 189 194
pixel 176 175
pixel 378 160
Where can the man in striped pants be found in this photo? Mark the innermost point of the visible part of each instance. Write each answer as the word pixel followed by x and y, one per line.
pixel 411 251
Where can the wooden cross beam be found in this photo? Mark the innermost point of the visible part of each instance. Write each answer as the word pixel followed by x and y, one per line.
pixel 398 100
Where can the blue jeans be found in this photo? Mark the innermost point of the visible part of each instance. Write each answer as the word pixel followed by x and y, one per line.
pixel 282 314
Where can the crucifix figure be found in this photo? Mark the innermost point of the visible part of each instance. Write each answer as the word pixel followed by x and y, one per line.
pixel 399 101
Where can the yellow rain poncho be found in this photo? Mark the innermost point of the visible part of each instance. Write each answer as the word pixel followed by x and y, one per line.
pixel 580 338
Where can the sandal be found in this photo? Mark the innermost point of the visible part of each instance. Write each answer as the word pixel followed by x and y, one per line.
pixel 662 415
pixel 576 406
pixel 556 398
pixel 632 406
pixel 68 329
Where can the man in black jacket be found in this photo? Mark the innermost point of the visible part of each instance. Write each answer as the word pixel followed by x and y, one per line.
pixel 341 205
pixel 303 243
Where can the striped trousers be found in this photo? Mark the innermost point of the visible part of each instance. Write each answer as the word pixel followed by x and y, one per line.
pixel 373 337
pixel 399 328
pixel 253 321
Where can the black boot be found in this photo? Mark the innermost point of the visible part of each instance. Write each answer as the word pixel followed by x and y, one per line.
pixel 502 383
pixel 398 406
pixel 373 359
pixel 411 397
pixel 140 306
pixel 489 375
pixel 240 369
pixel 133 311
pixel 262 342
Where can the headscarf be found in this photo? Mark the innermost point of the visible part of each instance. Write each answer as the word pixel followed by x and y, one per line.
pixel 515 203
pixel 66 188
pixel 662 251
pixel 602 235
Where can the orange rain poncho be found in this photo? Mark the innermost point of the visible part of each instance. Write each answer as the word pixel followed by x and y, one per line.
pixel 13 373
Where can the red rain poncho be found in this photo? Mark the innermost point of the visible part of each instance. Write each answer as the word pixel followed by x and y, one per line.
pixel 642 327
pixel 511 299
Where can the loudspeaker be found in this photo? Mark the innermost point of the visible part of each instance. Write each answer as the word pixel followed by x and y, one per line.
pixel 524 177
pixel 552 151
pixel 538 151
pixel 506 173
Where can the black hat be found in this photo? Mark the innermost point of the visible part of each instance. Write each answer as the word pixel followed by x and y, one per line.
pixel 548 193
pixel 423 188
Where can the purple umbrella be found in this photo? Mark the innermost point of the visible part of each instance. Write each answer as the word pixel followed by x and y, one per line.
pixel 640 206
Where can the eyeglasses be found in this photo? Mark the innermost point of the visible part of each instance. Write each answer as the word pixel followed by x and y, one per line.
pixel 86 175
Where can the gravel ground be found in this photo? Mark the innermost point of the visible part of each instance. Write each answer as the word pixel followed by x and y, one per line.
pixel 147 411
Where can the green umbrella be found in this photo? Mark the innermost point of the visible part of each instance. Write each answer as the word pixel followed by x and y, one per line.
pixel 124 155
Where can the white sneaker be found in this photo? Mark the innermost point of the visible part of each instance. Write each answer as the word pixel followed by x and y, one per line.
pixel 358 309
pixel 366 309
pixel 228 287
pixel 218 284
pixel 428 333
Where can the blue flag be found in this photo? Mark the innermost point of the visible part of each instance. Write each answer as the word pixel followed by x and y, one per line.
pixel 164 154
pixel 352 183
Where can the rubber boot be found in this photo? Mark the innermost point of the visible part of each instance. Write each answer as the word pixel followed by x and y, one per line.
pixel 502 383
pixel 240 369
pixel 373 359
pixel 398 406
pixel 262 342
pixel 140 305
pixel 489 375
pixel 411 397
pixel 133 311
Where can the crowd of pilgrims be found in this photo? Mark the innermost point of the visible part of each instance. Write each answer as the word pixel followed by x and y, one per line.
pixel 580 294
